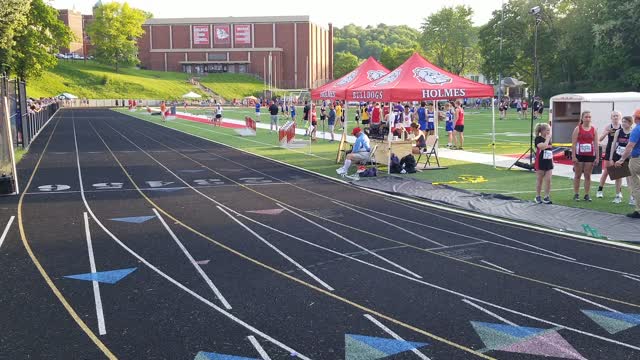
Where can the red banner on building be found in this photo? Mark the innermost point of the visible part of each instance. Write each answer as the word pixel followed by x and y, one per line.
pixel 201 34
pixel 242 34
pixel 222 34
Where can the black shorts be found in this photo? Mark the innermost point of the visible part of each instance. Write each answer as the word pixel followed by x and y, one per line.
pixel 218 116
pixel 323 117
pixel 365 122
pixel 314 123
pixel 586 158
pixel 459 128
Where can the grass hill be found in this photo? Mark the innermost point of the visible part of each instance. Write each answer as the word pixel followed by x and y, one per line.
pixel 95 81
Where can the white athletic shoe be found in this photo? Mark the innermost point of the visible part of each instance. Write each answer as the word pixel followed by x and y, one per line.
pixel 618 198
pixel 341 171
pixel 599 195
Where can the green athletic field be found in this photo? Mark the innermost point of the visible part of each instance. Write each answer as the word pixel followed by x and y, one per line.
pixel 475 177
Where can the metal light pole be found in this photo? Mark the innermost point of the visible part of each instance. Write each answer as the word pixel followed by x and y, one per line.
pixel 501 62
pixel 535 76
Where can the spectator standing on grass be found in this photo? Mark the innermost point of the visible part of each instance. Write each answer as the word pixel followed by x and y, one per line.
pixel 620 142
pixel 273 111
pixel 218 118
pixel 258 110
pixel 544 162
pixel 163 111
pixel 332 120
pixel 292 110
pixel 314 123
pixel 608 132
pixel 632 152
pixel 305 112
pixel 376 115
pixel 422 116
pixel 458 129
pixel 339 111
pixel 585 154
pixel 449 124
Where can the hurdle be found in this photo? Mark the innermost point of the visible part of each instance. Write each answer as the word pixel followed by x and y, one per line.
pixel 250 128
pixel 287 137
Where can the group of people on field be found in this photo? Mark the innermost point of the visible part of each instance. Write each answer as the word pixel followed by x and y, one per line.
pixel 622 149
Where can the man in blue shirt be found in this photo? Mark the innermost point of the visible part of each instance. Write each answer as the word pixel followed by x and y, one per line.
pixel 632 151
pixel 422 116
pixel 258 110
pixel 332 120
pixel 361 151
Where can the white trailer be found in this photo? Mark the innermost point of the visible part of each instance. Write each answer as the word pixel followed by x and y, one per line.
pixel 565 109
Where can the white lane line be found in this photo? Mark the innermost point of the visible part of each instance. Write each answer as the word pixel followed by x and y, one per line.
pixel 488 232
pixel 631 277
pixel 206 278
pixel 102 330
pixel 446 290
pixel 497 267
pixel 586 300
pixel 394 335
pixel 489 312
pixel 258 347
pixel 430 284
pixel 161 273
pixel 6 230
pixel 281 253
pixel 459 245
pixel 389 224
pixel 351 242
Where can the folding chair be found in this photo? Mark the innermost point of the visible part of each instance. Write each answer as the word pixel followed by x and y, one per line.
pixel 429 151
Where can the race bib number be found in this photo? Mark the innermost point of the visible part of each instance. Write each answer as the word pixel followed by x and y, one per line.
pixel 430 120
pixel 547 155
pixel 584 148
pixel 620 150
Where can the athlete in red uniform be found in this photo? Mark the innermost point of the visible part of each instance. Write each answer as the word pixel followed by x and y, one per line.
pixel 586 154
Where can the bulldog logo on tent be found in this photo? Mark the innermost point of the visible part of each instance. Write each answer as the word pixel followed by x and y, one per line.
pixel 431 76
pixel 347 79
pixel 375 74
pixel 393 76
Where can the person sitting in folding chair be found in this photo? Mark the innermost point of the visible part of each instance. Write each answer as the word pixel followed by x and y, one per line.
pixel 361 151
pixel 419 138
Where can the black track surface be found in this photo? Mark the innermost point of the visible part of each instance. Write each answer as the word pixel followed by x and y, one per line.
pixel 428 261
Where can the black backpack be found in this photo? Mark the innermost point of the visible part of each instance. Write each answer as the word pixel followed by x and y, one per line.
pixel 409 164
pixel 395 167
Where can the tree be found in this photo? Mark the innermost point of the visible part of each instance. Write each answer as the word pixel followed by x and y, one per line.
pixel 114 33
pixel 13 15
pixel 449 39
pixel 343 63
pixel 36 42
pixel 391 58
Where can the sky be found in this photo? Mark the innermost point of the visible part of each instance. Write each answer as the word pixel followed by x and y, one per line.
pixel 338 12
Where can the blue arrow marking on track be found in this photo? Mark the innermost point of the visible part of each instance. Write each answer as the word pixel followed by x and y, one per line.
pixel 108 277
pixel 215 356
pixel 385 346
pixel 134 219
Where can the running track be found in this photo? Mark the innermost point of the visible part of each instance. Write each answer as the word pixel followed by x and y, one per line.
pixel 221 252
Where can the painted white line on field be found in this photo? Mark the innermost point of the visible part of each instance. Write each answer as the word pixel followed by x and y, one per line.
pixel 394 335
pixel 489 312
pixel 102 330
pixel 459 245
pixel 193 262
pixel 351 242
pixel 389 224
pixel 631 277
pixel 489 232
pixel 281 253
pixel 258 347
pixel 497 267
pixel 6 230
pixel 586 300
pixel 447 290
pixel 178 284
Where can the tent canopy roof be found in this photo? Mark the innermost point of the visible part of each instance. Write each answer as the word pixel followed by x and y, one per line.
pixel 191 95
pixel 369 70
pixel 418 79
pixel 591 97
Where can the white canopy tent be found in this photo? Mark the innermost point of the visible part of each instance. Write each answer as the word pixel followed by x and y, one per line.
pixel 191 95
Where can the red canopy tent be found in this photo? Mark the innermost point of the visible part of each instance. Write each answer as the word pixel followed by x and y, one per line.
pixel 368 71
pixel 418 79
